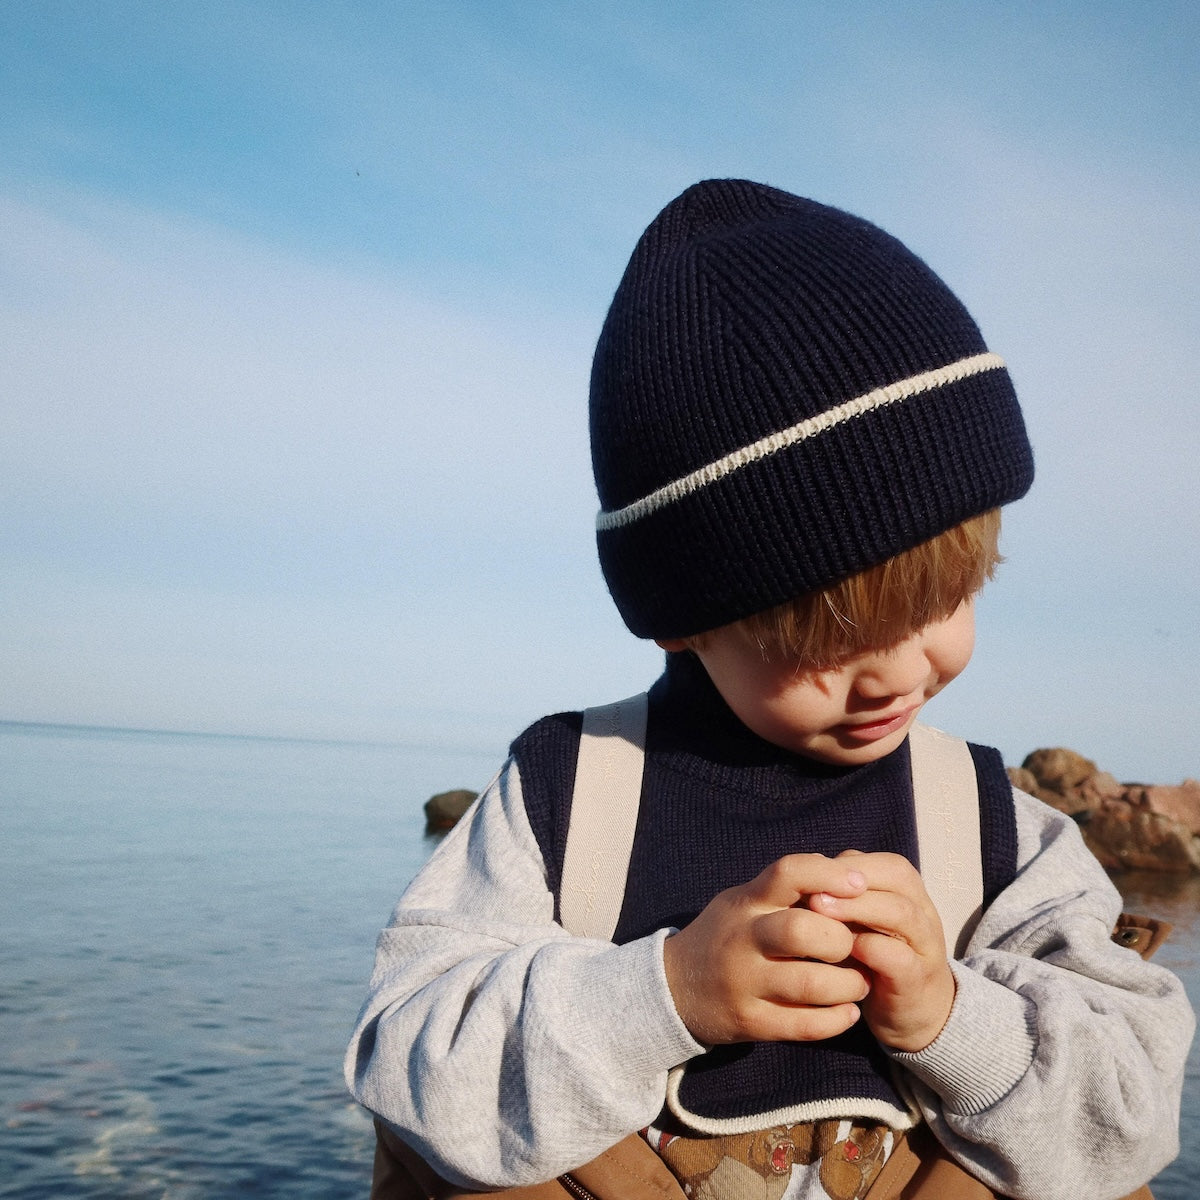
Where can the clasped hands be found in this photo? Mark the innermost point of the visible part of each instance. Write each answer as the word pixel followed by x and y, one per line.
pixel 809 946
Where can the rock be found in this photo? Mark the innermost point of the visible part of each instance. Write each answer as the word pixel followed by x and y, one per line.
pixel 1100 787
pixel 1181 802
pixel 1058 769
pixel 1067 781
pixel 1023 778
pixel 443 810
pixel 1128 826
pixel 1027 781
pixel 1128 838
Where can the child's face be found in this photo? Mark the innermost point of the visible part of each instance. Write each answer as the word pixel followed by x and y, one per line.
pixel 850 714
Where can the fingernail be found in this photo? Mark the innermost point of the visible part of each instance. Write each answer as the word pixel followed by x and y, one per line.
pixel 856 879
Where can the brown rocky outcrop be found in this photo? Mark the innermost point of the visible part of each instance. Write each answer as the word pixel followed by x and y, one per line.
pixel 1181 802
pixel 1128 826
pixel 444 809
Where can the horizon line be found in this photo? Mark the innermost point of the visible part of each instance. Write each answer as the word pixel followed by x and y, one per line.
pixel 398 744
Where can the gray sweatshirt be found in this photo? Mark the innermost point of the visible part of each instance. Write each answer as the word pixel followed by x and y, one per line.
pixel 506 1051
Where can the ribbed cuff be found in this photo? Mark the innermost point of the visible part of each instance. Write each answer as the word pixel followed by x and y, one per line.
pixel 632 979
pixel 984 1049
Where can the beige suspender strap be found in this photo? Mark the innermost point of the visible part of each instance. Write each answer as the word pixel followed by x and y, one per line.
pixel 946 798
pixel 604 808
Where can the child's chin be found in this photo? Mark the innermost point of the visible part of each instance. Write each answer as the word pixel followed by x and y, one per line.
pixel 846 751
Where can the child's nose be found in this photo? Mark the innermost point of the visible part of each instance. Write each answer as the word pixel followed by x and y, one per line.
pixel 896 672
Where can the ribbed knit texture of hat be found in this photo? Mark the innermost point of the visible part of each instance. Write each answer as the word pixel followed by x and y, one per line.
pixel 783 395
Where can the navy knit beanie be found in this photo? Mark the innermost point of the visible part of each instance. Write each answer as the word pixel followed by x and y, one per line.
pixel 783 395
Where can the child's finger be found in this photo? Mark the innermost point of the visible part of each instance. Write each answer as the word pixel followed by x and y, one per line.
pixel 887 955
pixel 883 870
pixel 800 933
pixel 790 878
pixel 888 912
pixel 913 922
pixel 797 983
pixel 896 885
pixel 782 1023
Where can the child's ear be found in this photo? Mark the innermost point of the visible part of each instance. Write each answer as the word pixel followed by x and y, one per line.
pixel 673 645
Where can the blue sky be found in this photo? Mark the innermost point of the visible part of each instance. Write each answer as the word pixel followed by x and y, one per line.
pixel 298 303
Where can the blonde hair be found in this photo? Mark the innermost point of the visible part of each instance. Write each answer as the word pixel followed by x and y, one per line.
pixel 882 605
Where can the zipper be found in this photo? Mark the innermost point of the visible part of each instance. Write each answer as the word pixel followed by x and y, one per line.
pixel 576 1188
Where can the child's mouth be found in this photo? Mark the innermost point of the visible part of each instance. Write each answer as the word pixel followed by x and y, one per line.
pixel 872 731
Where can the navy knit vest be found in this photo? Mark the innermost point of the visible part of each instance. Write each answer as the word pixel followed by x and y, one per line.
pixel 718 805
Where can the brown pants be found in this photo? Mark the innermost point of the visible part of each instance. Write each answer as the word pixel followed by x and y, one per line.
pixel 917 1169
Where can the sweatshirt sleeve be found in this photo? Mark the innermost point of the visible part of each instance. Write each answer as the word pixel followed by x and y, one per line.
pixel 1059 1071
pixel 500 1048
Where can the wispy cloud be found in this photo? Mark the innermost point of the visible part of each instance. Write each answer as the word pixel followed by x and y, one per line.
pixel 194 422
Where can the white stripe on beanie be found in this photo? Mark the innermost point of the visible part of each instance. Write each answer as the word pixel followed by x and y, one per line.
pixel 904 389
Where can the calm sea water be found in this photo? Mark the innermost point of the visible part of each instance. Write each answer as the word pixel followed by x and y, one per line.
pixel 188 925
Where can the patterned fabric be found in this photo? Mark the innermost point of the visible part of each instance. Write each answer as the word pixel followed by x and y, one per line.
pixel 822 1160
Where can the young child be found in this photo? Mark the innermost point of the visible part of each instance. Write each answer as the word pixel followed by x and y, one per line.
pixel 801 444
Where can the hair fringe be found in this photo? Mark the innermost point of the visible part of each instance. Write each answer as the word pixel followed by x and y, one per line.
pixel 883 605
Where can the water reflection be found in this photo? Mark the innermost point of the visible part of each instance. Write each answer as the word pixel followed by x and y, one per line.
pixel 190 929
pixel 1175 898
